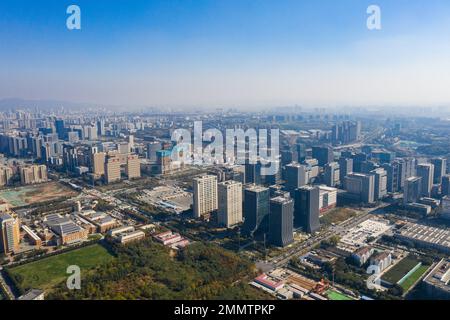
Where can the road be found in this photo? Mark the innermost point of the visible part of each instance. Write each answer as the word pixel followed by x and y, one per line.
pixel 309 244
pixel 370 136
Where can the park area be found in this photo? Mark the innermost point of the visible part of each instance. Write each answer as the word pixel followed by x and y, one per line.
pixel 49 272
pixel 337 216
pixel 405 273
pixel 35 194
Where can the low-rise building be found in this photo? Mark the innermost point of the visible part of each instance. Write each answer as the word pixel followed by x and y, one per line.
pixel 174 240
pixel 362 255
pixel 419 207
pixel 426 236
pixel 66 229
pixel 33 294
pixel 126 234
pixel 437 282
pixel 381 260
pixel 32 236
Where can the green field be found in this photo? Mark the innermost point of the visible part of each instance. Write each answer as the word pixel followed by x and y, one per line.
pixel 397 272
pixel 408 282
pixel 337 216
pixel 334 295
pixel 49 272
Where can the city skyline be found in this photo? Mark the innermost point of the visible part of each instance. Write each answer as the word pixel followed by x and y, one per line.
pixel 231 54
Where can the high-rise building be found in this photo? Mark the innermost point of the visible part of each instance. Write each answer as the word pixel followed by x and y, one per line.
pixel 33 174
pixel 123 148
pixel 426 172
pixel 164 161
pixel 446 185
pixel 306 213
pixel 362 186
pixel 256 209
pixel 345 168
pixel 60 129
pixel 133 166
pixel 383 156
pixel 253 173
pixel 70 157
pixel 205 195
pixel 380 183
pixel 358 160
pixel 413 190
pixel 300 151
pixel 297 175
pixel 332 174
pixel 440 169
pixel 6 174
pixel 152 149
pixel 101 127
pixel 112 169
pixel 287 156
pixel 98 163
pixel 281 221
pixel 230 203
pixel 9 233
pixel 346 132
pixel 323 154
pixel 395 173
pixel 410 167
pixel 131 142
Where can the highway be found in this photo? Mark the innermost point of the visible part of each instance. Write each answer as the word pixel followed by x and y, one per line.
pixel 302 248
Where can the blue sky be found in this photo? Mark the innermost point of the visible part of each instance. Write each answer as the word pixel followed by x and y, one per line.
pixel 232 53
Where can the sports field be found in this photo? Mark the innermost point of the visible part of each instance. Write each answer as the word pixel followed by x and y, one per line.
pixel 408 282
pixel 402 268
pixel 49 272
pixel 22 196
pixel 334 295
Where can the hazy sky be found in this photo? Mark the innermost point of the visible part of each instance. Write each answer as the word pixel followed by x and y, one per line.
pixel 227 53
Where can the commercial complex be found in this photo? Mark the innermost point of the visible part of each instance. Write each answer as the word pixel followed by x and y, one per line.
pixel 306 212
pixel 256 209
pixel 281 221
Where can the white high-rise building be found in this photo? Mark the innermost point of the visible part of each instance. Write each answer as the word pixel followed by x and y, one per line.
pixel 230 203
pixel 205 195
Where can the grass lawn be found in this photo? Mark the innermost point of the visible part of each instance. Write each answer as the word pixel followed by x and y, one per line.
pixel 397 272
pixel 333 295
pixel 408 282
pixel 337 215
pixel 49 272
